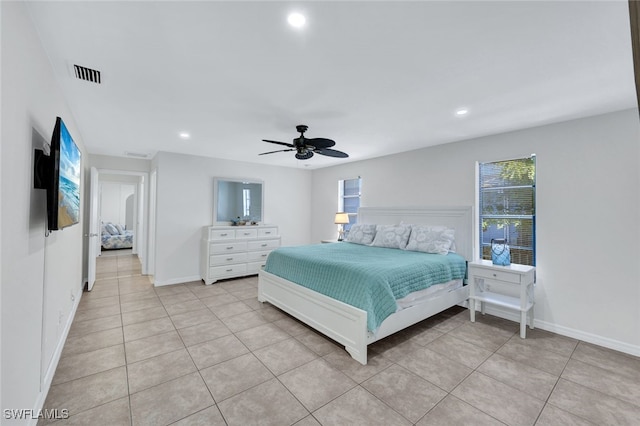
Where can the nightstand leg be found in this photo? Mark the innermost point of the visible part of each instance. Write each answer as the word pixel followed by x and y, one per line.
pixel 472 310
pixel 531 318
pixel 523 324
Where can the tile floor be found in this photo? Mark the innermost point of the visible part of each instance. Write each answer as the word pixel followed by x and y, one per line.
pixel 191 354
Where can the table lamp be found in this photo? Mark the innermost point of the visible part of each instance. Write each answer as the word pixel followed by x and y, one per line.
pixel 341 219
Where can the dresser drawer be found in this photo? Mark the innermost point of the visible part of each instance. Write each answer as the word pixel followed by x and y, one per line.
pixel 230 247
pixel 222 234
pixel 258 256
pixel 264 244
pixel 267 232
pixel 246 233
pixel 226 259
pixel 254 267
pixel 227 270
pixel 494 274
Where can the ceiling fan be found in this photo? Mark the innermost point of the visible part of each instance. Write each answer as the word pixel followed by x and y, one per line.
pixel 305 147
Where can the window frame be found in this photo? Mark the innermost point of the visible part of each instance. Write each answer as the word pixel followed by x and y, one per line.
pixel 353 217
pixel 479 216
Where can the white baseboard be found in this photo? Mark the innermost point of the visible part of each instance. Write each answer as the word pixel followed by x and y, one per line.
pixel 159 283
pixel 568 332
pixel 53 365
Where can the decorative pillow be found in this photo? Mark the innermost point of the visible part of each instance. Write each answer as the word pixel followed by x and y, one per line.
pixel 120 229
pixel 111 229
pixel 103 230
pixel 392 236
pixel 431 239
pixel 361 233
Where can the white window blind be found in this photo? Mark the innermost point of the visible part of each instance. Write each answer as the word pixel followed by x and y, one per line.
pixel 507 207
pixel 349 191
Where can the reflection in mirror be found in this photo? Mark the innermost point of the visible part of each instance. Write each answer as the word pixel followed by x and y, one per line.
pixel 237 199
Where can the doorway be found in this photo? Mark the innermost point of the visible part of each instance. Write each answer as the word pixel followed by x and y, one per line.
pixel 121 198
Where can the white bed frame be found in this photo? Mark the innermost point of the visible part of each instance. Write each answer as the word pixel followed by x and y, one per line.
pixel 346 324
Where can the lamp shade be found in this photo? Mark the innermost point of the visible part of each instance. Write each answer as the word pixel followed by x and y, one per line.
pixel 341 218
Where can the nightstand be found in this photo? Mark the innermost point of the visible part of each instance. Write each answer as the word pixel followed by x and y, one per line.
pixel 507 286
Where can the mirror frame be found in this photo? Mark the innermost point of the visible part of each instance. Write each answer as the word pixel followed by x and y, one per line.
pixel 216 181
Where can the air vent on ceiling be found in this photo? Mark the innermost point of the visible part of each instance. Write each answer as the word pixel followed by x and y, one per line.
pixel 87 74
pixel 136 154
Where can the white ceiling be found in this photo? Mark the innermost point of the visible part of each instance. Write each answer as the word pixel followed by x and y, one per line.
pixel 377 77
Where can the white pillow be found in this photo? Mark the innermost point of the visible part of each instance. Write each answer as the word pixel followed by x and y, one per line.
pixel 431 239
pixel 120 229
pixel 392 236
pixel 111 229
pixel 361 233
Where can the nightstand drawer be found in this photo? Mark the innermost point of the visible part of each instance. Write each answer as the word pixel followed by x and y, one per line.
pixel 496 275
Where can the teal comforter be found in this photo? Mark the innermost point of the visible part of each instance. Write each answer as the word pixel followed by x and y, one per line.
pixel 369 278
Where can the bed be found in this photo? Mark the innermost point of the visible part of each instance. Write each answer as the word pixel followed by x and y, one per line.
pixel 116 237
pixel 350 323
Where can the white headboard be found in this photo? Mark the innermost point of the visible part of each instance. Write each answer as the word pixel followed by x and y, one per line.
pixel 460 218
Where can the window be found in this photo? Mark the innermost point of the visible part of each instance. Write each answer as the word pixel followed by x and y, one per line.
pixel 246 202
pixel 349 199
pixel 507 207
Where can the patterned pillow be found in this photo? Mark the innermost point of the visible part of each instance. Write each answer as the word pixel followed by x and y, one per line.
pixel 431 239
pixel 392 236
pixel 120 229
pixel 361 233
pixel 111 229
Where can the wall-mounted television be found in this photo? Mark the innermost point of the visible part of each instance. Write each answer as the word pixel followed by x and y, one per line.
pixel 59 173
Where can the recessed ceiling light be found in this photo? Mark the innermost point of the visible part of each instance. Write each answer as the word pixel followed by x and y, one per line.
pixel 462 111
pixel 296 20
pixel 184 135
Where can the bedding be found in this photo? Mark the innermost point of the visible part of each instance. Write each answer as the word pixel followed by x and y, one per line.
pixel 368 277
pixel 116 237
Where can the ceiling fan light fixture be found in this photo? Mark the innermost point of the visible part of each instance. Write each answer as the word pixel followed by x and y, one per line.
pixel 304 155
pixel 296 19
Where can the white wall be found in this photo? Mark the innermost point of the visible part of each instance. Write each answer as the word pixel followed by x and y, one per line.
pixel 40 274
pixel 185 205
pixel 588 211
pixel 113 203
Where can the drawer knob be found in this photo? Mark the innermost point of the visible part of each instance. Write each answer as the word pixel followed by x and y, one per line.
pixel 229 258
pixel 495 275
pixel 268 233
pixel 247 233
pixel 229 270
pixel 264 255
pixel 223 235
pixel 264 245
pixel 230 248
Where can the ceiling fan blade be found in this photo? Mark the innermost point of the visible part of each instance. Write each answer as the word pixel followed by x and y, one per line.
pixel 280 150
pixel 279 143
pixel 331 153
pixel 320 142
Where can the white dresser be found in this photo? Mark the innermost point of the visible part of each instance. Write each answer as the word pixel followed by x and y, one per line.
pixel 235 251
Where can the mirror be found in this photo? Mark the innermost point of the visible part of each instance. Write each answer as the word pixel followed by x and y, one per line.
pixel 237 198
